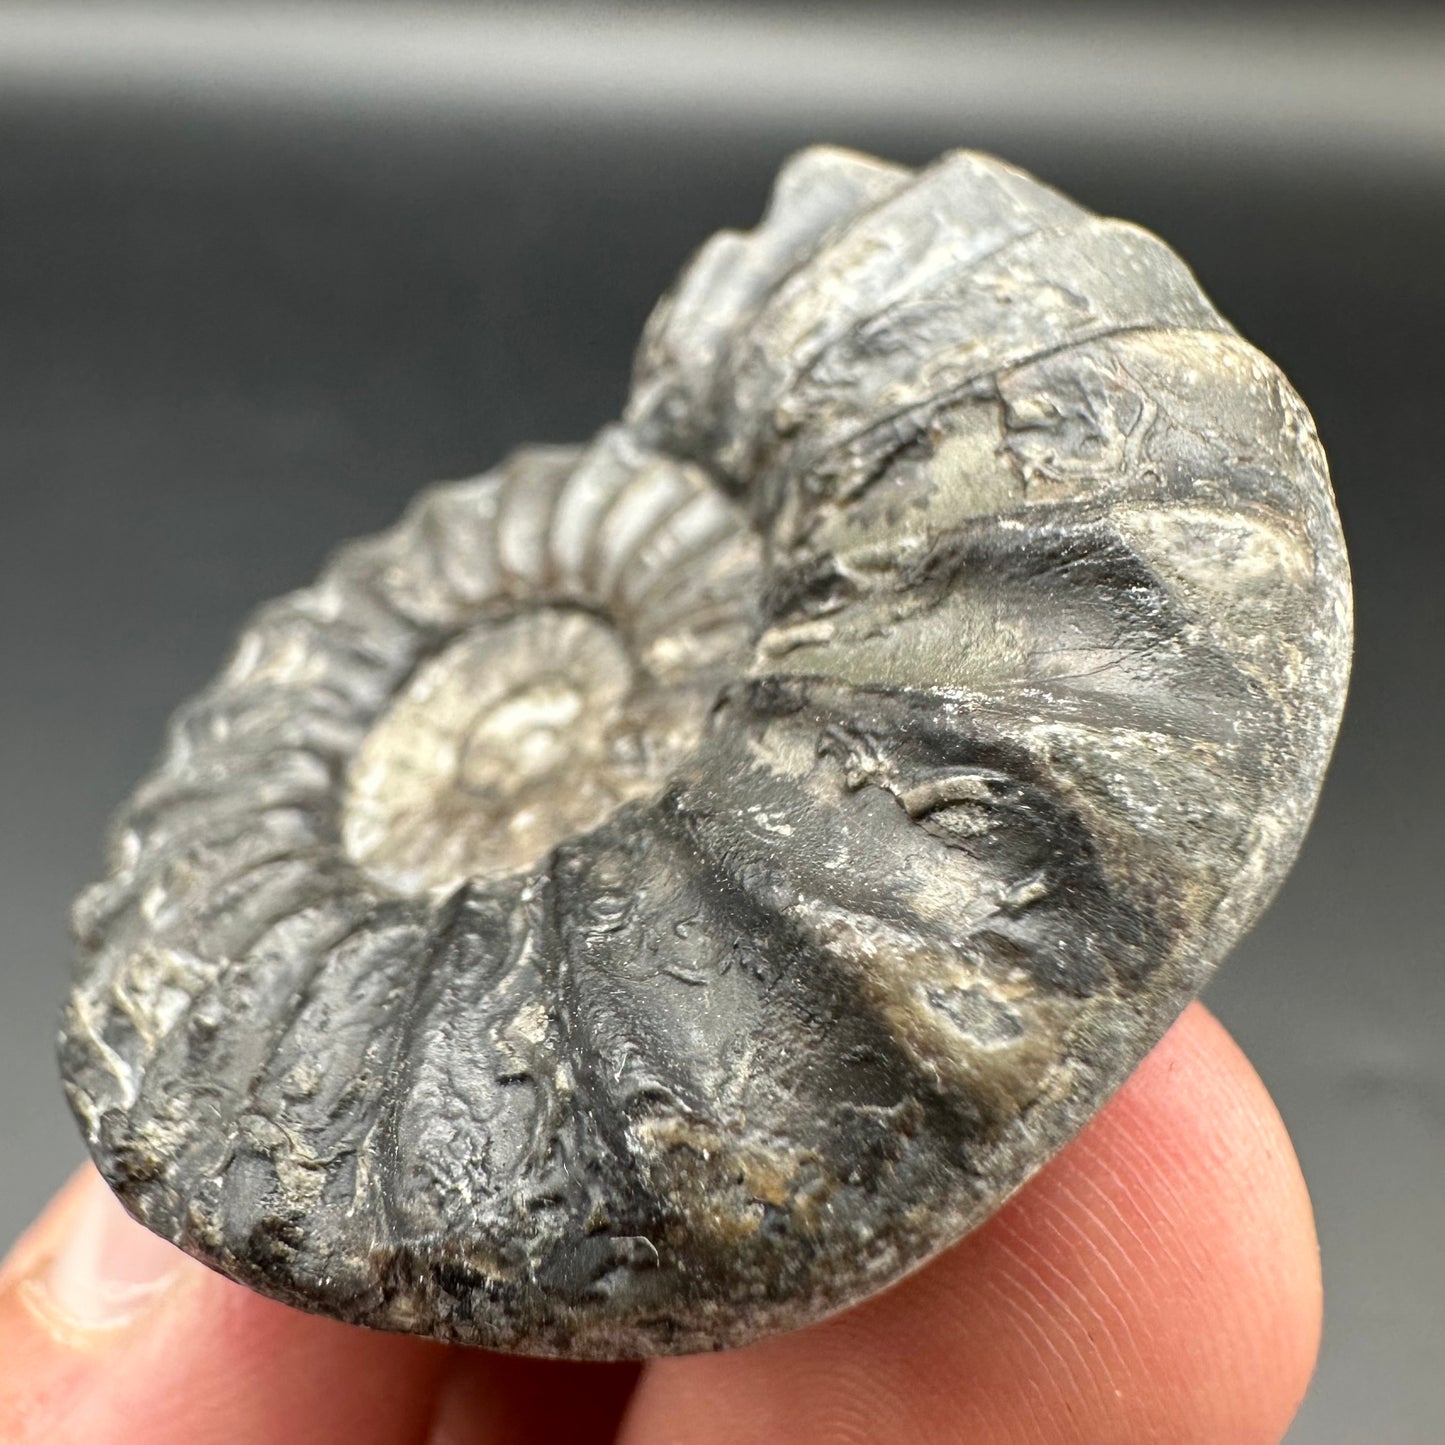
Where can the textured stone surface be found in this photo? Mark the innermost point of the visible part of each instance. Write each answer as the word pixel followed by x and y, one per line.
pixel 664 890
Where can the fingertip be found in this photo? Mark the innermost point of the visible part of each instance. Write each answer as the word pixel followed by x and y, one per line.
pixel 108 1334
pixel 1238 1264
pixel 1158 1281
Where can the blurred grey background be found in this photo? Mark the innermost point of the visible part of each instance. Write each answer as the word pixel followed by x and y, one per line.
pixel 265 271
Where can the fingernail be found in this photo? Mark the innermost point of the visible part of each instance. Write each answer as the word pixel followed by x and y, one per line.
pixel 108 1269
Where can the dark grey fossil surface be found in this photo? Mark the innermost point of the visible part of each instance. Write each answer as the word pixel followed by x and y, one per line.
pixel 664 890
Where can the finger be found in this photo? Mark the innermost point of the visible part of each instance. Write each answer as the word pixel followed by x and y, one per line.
pixel 1159 1281
pixel 109 1334
pixel 496 1400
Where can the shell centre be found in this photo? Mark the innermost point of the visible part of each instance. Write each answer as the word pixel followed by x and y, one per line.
pixel 515 736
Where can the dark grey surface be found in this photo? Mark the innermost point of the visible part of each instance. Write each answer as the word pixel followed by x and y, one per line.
pixel 233 333
pixel 914 775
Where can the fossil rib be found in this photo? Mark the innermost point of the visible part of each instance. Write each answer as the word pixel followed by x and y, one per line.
pixel 662 891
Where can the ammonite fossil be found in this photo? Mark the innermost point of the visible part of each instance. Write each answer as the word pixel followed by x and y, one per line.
pixel 664 890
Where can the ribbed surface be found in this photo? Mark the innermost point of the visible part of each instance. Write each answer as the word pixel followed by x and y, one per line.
pixel 951 641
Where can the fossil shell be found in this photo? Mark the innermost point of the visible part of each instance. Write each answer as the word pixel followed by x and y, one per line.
pixel 662 891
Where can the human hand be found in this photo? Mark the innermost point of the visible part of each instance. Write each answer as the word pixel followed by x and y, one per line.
pixel 1159 1281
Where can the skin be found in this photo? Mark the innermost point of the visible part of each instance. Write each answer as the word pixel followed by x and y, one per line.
pixel 1159 1281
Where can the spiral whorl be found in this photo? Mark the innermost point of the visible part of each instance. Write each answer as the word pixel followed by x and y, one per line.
pixel 662 891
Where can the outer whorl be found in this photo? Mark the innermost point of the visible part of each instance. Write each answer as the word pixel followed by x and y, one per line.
pixel 662 891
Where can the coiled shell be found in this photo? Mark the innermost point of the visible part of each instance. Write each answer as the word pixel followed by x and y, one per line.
pixel 662 891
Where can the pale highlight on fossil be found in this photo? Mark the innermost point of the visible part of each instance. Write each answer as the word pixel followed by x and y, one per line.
pixel 666 889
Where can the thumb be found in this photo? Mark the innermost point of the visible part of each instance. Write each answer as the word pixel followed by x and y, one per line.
pixel 108 1333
